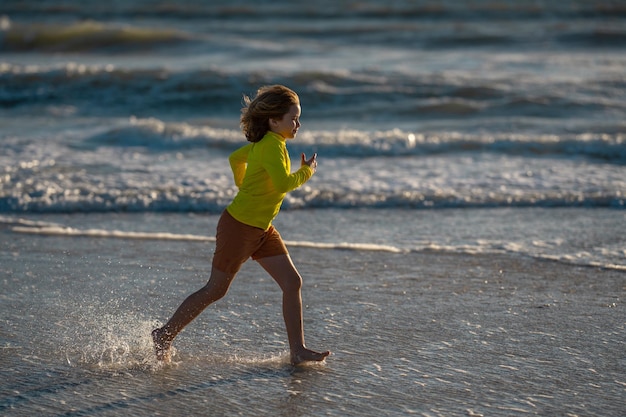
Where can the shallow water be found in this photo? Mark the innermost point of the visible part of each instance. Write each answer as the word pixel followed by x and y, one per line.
pixel 578 236
pixel 425 333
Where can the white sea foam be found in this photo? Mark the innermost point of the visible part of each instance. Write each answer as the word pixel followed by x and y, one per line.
pixel 41 228
pixel 151 166
pixel 520 242
pixel 99 233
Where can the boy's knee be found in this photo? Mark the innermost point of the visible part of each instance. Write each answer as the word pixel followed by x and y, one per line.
pixel 294 283
pixel 214 292
pixel 218 285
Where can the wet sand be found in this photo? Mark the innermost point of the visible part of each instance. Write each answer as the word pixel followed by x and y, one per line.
pixel 418 333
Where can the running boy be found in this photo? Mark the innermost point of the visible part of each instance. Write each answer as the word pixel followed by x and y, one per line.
pixel 262 171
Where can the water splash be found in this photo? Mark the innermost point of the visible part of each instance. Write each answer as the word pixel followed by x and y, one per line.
pixel 114 342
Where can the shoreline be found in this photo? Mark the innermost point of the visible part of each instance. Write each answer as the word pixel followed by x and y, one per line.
pixel 433 333
pixel 544 234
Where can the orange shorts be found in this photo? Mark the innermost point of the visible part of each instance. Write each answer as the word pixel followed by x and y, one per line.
pixel 236 242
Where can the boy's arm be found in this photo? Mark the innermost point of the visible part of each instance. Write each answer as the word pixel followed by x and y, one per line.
pixel 238 163
pixel 277 165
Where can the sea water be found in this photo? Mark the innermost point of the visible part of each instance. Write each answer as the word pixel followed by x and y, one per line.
pixel 134 108
pixel 431 332
pixel 443 129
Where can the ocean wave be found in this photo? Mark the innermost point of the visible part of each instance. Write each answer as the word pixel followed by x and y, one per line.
pixel 85 26
pixel 192 9
pixel 49 197
pixel 84 36
pixel 441 199
pixel 157 135
pixel 331 95
pixel 107 88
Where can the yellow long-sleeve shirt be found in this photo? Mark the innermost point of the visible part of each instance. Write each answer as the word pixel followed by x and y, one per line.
pixel 262 171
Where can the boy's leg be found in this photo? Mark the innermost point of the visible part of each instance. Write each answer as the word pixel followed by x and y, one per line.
pixel 283 271
pixel 216 288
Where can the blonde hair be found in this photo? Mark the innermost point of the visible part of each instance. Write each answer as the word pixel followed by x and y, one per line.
pixel 271 102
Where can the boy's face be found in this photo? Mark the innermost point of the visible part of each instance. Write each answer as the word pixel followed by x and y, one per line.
pixel 288 126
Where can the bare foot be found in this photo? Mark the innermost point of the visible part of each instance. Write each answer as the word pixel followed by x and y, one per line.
pixel 307 355
pixel 162 347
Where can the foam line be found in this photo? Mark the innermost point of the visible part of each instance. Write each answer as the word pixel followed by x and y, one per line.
pixel 49 229
pixel 56 230
pixel 346 246
pixel 100 233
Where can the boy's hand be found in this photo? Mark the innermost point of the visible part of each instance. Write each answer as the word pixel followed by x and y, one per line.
pixel 311 162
